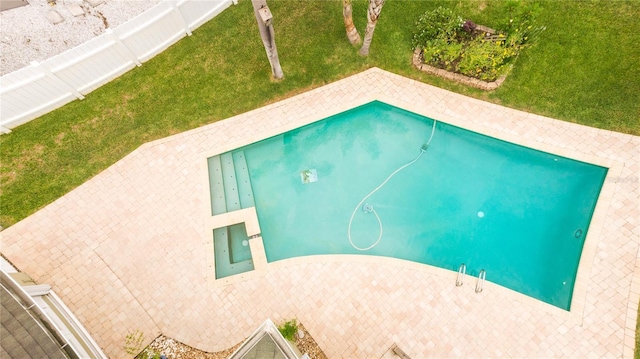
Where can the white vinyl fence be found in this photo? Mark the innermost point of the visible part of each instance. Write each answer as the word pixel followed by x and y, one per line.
pixel 32 91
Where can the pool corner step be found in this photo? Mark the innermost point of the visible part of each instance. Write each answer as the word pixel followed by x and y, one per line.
pixel 230 184
pixel 231 196
pixel 216 186
pixel 243 181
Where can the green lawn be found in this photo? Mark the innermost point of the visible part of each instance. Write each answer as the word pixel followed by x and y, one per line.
pixel 584 69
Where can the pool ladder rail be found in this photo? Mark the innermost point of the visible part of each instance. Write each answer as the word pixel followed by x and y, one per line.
pixel 461 272
pixel 481 277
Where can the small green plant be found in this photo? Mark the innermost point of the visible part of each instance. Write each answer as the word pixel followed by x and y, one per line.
pixel 148 353
pixel 288 329
pixel 442 53
pixel 133 342
pixel 486 60
pixel 440 24
pixel 449 43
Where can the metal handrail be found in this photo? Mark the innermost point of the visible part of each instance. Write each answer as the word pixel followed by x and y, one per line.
pixel 481 277
pixel 461 272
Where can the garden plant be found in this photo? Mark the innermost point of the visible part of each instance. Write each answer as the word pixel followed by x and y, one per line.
pixel 448 42
pixel 583 69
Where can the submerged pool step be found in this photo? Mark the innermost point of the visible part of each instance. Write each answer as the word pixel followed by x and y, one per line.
pixel 231 196
pixel 239 252
pixel 231 257
pixel 230 190
pixel 216 185
pixel 242 178
pixel 230 185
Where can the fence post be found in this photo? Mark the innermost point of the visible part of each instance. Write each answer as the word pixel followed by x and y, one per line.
pixel 122 45
pixel 55 77
pixel 184 21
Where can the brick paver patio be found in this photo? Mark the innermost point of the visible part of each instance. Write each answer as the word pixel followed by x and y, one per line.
pixel 130 249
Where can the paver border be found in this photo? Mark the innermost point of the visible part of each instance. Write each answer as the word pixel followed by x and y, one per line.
pixel 118 246
pixel 594 232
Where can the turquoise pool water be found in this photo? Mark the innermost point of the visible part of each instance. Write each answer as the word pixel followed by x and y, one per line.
pixel 520 214
pixel 232 252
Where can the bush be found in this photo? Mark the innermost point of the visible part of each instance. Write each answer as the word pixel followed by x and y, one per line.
pixel 449 43
pixel 440 23
pixel 486 60
pixel 442 53
pixel 288 329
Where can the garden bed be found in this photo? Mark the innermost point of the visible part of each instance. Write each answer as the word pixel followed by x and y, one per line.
pixel 418 62
pixel 460 50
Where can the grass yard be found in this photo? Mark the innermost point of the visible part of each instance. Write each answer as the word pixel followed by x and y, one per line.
pixel 583 69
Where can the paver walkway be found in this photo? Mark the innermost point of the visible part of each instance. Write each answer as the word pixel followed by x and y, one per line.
pixel 128 250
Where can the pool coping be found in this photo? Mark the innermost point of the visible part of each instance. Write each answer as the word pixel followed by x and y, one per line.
pixel 130 249
pixel 594 232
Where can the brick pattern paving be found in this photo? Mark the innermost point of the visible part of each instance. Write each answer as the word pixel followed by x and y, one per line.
pixel 129 249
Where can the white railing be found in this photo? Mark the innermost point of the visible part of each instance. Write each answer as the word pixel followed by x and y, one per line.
pixel 32 91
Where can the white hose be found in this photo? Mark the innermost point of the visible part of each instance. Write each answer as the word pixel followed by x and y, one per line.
pixel 371 208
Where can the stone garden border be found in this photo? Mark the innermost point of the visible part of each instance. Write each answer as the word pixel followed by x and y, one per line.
pixel 465 80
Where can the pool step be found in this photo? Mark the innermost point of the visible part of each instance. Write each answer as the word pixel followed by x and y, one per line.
pixel 218 205
pixel 230 186
pixel 231 196
pixel 231 257
pixel 239 252
pixel 230 190
pixel 242 178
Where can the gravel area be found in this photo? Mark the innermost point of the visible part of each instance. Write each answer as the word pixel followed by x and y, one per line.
pixel 308 345
pixel 175 350
pixel 27 35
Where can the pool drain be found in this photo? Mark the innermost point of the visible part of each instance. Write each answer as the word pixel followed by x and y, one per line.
pixel 367 208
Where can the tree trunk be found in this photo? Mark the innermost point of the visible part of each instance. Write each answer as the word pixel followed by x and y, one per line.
pixel 268 39
pixel 352 32
pixel 373 13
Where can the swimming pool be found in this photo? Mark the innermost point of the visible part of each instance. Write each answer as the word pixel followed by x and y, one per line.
pixel 520 214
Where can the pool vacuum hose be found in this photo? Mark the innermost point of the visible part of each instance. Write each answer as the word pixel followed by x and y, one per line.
pixel 368 208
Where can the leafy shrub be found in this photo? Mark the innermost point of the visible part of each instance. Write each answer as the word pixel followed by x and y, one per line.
pixel 442 53
pixel 133 342
pixel 486 60
pixel 440 23
pixel 288 329
pixel 452 44
pixel 149 354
